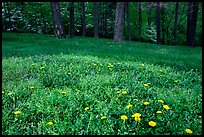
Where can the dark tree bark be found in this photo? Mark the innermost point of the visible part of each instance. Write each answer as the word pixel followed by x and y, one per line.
pixel 57 20
pixel 71 19
pixel 83 17
pixel 95 20
pixel 175 33
pixel 191 23
pixel 140 20
pixel 158 22
pixel 119 20
pixel 128 20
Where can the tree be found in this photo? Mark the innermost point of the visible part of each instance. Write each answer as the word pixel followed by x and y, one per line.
pixel 175 33
pixel 128 20
pixel 95 20
pixel 140 20
pixel 119 20
pixel 57 20
pixel 83 19
pixel 158 22
pixel 71 19
pixel 191 23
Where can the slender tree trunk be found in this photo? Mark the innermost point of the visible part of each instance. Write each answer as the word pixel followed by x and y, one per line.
pixel 9 17
pixel 149 17
pixel 128 20
pixel 71 14
pixel 119 20
pixel 83 19
pixel 158 23
pixel 57 21
pixel 189 24
pixel 175 34
pixel 140 20
pixel 194 22
pixel 95 20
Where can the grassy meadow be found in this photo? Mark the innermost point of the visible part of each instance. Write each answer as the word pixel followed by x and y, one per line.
pixel 81 85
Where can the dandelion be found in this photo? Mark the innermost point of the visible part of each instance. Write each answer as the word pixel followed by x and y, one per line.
pixel 49 123
pixel 63 92
pixel 124 117
pixel 124 92
pixel 94 64
pixel 137 119
pixel 136 115
pixel 128 106
pixel 146 103
pixel 142 64
pixel 17 112
pixel 188 131
pixel 159 112
pixel 166 107
pixel 86 108
pixel 118 92
pixel 103 117
pixel 161 101
pixel 146 85
pixel 152 123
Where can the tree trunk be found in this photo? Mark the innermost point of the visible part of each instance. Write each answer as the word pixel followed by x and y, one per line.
pixel 83 19
pixel 95 20
pixel 149 17
pixel 57 21
pixel 189 24
pixel 194 22
pixel 140 20
pixel 175 34
pixel 158 23
pixel 119 20
pixel 128 20
pixel 71 19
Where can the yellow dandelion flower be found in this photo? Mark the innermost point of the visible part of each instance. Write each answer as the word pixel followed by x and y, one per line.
pixel 124 92
pixel 128 106
pixel 63 92
pixel 94 64
pixel 159 112
pixel 146 103
pixel 146 85
pixel 161 101
pixel 17 112
pixel 136 115
pixel 118 92
pixel 188 131
pixel 137 119
pixel 49 123
pixel 152 123
pixel 86 108
pixel 124 117
pixel 103 117
pixel 166 107
pixel 142 64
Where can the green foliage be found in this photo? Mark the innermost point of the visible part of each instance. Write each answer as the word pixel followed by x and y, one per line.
pixel 51 81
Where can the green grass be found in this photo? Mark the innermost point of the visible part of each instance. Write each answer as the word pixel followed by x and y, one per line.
pixel 54 80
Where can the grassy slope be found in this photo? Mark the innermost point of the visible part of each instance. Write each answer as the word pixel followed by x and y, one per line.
pixel 96 86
